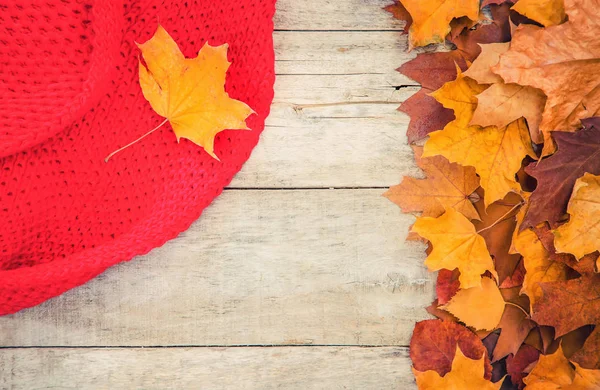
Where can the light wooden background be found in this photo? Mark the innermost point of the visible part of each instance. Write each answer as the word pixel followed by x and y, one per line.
pixel 298 276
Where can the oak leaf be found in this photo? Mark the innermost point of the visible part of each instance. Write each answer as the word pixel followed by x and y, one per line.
pixel 189 92
pixel 580 235
pixel 433 344
pixel 465 374
pixel 431 19
pixel 478 307
pixel 456 244
pixel 448 185
pixel 545 12
pixel 563 62
pixel 495 153
pixel 556 175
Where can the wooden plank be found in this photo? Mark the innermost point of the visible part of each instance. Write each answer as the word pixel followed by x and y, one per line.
pixel 335 15
pixel 328 128
pixel 339 52
pixel 207 368
pixel 322 267
pixel 337 145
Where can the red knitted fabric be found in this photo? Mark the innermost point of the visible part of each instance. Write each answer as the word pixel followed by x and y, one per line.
pixel 70 95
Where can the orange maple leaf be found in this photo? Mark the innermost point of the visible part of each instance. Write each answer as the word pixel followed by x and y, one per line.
pixel 431 18
pixel 189 92
pixel 447 185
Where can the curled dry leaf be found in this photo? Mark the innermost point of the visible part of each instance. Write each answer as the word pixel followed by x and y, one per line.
pixel 447 185
pixel 465 374
pixel 456 244
pixel 478 307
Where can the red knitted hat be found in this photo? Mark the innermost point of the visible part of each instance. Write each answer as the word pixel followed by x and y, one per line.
pixel 70 95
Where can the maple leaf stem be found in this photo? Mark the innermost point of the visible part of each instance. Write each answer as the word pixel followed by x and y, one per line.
pixel 501 218
pixel 519 307
pixel 139 139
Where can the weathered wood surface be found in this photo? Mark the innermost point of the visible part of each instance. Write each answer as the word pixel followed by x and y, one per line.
pixel 324 267
pixel 363 15
pixel 296 265
pixel 301 368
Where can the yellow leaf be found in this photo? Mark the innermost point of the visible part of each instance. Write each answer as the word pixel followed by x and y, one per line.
pixel 555 372
pixel 539 265
pixel 550 372
pixel 447 185
pixel 190 92
pixel 478 307
pixel 495 153
pixel 581 235
pixel 456 244
pixel 431 18
pixel 545 12
pixel 585 379
pixel 465 374
pixel 459 96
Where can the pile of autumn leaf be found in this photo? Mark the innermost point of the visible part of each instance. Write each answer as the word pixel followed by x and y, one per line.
pixel 509 123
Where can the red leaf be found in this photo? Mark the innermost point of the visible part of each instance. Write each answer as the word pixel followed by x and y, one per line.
pixel 434 342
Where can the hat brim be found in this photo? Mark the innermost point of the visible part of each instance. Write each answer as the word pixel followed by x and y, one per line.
pixel 68 215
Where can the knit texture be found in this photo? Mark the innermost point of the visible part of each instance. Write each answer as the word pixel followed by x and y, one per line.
pixel 69 95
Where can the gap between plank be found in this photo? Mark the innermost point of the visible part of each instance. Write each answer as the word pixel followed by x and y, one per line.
pixel 203 346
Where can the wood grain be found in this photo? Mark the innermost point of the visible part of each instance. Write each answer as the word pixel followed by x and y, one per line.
pixel 335 15
pixel 334 121
pixel 207 368
pixel 323 267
